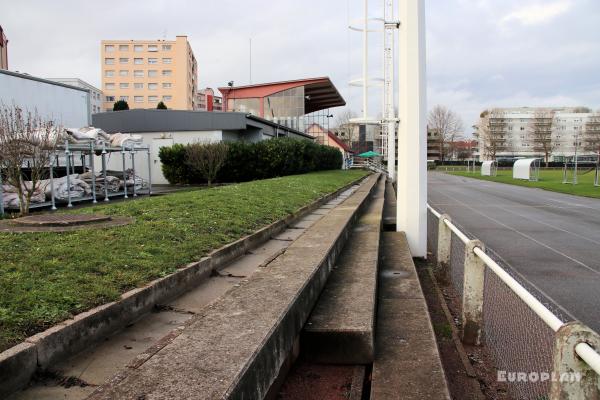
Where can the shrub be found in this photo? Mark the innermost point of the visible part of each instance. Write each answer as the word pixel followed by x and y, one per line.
pixel 161 106
pixel 206 159
pixel 174 167
pixel 249 161
pixel 120 105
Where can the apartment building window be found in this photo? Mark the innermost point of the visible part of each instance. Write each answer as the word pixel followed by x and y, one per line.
pixel 109 61
pixel 167 85
pixel 167 72
pixel 138 61
pixel 152 47
pixel 124 98
pixel 138 48
pixel 522 128
pixel 109 48
pixel 166 47
pixel 138 73
pixel 167 98
pixel 138 85
pixel 138 99
pixel 123 85
pixel 123 47
pixel 123 72
pixel 152 73
pixel 109 86
pixel 152 86
pixel 166 61
pixel 110 98
pixel 153 61
pixel 109 73
pixel 123 60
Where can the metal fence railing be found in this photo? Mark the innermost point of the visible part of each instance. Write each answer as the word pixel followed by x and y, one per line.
pixel 537 352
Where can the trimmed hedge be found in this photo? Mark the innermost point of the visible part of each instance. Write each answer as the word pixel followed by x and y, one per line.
pixel 251 161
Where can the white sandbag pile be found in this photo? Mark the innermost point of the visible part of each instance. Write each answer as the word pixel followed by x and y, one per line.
pixel 124 139
pixel 113 183
pixel 76 188
pixel 90 134
pixel 10 197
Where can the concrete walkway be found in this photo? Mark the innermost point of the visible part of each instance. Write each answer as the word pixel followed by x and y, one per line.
pixel 82 374
pixel 407 363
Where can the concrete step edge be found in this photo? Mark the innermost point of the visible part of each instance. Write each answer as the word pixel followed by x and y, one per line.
pixel 329 338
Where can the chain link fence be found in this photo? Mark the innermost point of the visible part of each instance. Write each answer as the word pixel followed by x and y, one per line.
pixel 517 339
pixel 432 235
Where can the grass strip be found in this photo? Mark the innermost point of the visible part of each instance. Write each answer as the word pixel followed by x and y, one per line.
pixel 48 277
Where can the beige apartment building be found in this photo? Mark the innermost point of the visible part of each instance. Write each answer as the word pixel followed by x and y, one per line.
pixel 145 72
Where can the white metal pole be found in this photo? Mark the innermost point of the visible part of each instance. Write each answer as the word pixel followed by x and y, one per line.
pixel 389 91
pixel 365 60
pixel 412 132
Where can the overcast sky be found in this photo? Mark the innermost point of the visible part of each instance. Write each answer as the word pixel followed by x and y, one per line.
pixel 480 53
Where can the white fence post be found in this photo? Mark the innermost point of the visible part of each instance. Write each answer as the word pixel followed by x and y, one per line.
pixel 444 245
pixel 572 378
pixel 472 307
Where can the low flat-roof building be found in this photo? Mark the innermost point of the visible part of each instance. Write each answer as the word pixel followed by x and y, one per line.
pixel 95 93
pixel 160 128
pixel 286 103
pixel 64 104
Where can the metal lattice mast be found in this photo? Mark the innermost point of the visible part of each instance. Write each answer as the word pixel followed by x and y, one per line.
pixel 388 125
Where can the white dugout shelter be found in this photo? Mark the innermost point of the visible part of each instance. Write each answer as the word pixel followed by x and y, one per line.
pixel 489 168
pixel 527 169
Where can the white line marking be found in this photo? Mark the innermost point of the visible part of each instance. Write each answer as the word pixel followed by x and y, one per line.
pixel 524 235
pixel 550 225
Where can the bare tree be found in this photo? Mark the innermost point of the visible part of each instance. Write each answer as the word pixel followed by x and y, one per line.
pixel 492 132
pixel 207 159
pixel 448 127
pixel 27 143
pixel 540 133
pixel 591 135
pixel 345 129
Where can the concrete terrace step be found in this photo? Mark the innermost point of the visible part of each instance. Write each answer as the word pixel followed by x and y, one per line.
pixel 236 346
pixel 340 329
pixel 407 363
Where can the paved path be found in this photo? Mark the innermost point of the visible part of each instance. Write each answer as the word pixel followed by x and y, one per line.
pixel 551 239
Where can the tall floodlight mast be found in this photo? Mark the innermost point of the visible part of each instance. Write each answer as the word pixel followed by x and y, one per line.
pixel 412 128
pixel 365 81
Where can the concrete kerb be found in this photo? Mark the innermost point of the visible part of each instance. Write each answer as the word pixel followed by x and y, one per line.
pixel 19 363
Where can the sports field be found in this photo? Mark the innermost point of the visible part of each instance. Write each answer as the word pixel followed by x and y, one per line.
pixel 550 179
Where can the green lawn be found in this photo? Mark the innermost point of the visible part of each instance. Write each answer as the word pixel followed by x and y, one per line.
pixel 550 179
pixel 48 277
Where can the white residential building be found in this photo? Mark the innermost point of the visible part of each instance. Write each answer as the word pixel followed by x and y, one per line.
pixel 95 93
pixel 517 140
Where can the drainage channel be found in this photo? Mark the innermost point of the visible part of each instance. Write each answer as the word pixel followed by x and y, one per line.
pixel 77 377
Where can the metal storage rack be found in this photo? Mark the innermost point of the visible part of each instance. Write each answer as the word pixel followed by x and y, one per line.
pixel 87 152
